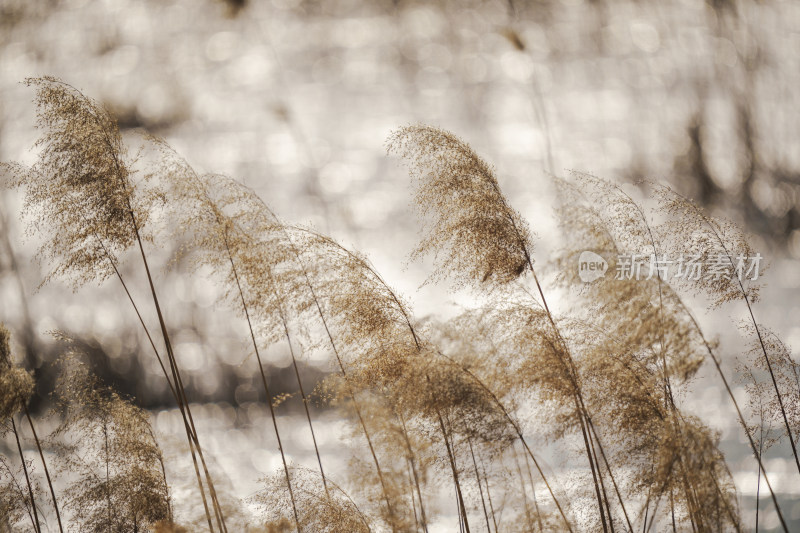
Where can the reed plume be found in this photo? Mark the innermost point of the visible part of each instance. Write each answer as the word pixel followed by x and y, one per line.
pixel 734 278
pixel 330 511
pixel 108 444
pixel 475 236
pixel 16 387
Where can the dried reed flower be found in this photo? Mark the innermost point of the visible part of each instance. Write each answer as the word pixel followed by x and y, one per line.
pixel 15 501
pixel 80 193
pixel 761 391
pixel 330 512
pixel 108 444
pixel 688 230
pixel 16 385
pixel 475 236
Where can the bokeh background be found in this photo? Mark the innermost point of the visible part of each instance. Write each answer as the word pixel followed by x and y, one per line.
pixel 296 98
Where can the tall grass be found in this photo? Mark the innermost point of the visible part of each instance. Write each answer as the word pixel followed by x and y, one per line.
pixel 470 406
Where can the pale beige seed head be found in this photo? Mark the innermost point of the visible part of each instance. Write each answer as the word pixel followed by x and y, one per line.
pixel 476 238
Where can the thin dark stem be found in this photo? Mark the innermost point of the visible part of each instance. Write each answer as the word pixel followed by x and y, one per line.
pixel 480 487
pixel 181 392
pixel 489 497
pixel 108 472
pixel 610 474
pixel 351 393
pixel 528 518
pixel 305 404
pixel 533 491
pixel 518 431
pixel 412 461
pixel 571 369
pixel 453 467
pixel 672 510
pixel 286 333
pixel 163 474
pixel 178 398
pixel 266 391
pixel 758 482
pixel 35 515
pixel 413 498
pixel 44 466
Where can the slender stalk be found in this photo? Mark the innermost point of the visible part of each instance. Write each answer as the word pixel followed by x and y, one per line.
pixel 44 466
pixel 266 391
pixel 758 482
pixel 419 348
pixel 305 404
pixel 178 381
pixel 528 518
pixel 108 472
pixel 35 515
pixel 287 335
pixel 611 475
pixel 163 476
pixel 672 510
pixel 572 372
pixel 602 483
pixel 533 491
pixel 453 467
pixel 517 430
pixel 412 462
pixel 489 497
pixel 413 499
pixel 178 398
pixel 480 487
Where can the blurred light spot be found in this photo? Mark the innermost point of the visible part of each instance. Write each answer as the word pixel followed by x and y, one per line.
pixel 371 209
pixel 281 149
pixel 517 66
pixel 726 53
pixel 434 56
pixel 645 37
pixel 474 69
pixel 264 461
pixel 351 33
pixel 204 293
pixel 124 59
pixel 154 103
pixel 253 67
pixel 221 46
pixel 190 356
pixel 335 177
pixel 422 23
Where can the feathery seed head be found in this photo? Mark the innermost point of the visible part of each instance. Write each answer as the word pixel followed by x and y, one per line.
pixel 474 235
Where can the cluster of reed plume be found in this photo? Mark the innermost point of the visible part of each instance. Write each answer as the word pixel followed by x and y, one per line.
pixel 459 400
